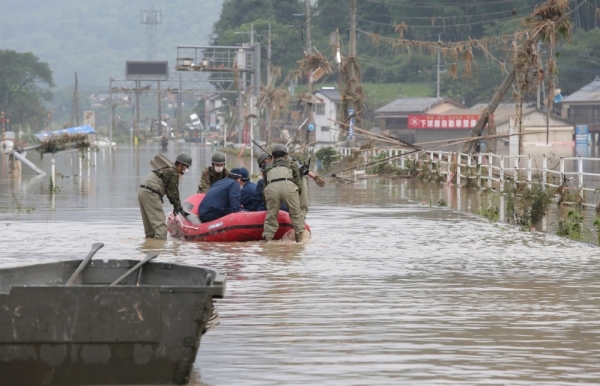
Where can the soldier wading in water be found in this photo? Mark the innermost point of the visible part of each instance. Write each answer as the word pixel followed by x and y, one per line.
pixel 158 183
pixel 283 183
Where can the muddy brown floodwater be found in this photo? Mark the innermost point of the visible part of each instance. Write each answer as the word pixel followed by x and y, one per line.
pixel 388 291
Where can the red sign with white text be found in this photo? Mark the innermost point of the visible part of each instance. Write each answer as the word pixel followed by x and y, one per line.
pixel 442 122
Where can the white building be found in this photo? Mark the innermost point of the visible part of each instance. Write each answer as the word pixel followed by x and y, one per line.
pixel 540 134
pixel 327 131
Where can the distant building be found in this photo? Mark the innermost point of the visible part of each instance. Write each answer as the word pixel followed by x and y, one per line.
pixel 583 106
pixel 540 136
pixel 393 117
pixel 325 113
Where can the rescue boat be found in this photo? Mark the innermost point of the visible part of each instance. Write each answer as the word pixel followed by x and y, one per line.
pixel 240 226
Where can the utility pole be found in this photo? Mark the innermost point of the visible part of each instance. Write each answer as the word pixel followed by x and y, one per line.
pixel 179 105
pixel 268 112
pixel 309 52
pixel 439 54
pixel 136 124
pixel 112 112
pixel 241 64
pixel 160 128
pixel 75 106
pixel 351 107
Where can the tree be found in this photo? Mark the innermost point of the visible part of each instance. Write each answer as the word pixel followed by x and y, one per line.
pixel 579 61
pixel 24 83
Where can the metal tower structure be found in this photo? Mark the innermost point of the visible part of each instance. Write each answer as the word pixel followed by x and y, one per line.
pixel 151 19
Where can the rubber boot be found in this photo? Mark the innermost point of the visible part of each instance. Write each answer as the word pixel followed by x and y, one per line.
pixel 298 237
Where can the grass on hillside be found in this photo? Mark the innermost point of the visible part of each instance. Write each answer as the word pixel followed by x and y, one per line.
pixel 379 94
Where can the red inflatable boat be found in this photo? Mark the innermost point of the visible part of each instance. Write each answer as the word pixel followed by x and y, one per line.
pixel 241 226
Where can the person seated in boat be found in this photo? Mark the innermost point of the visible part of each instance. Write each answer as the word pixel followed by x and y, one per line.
pixel 258 201
pixel 158 183
pixel 211 174
pixel 283 183
pixel 248 189
pixel 222 198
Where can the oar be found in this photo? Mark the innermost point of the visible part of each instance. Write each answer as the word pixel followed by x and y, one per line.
pixel 84 263
pixel 148 257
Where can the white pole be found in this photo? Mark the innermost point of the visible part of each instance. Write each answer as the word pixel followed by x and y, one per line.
pixel 580 175
pixel 251 135
pixel 544 171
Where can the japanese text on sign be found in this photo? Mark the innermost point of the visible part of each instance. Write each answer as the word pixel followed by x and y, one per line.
pixel 442 121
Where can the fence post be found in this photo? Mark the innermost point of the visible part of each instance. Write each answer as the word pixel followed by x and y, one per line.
pixel 562 172
pixel 458 159
pixel 417 161
pixel 544 171
pixel 580 176
pixel 501 174
pixel 469 166
pixel 479 170
pixel 490 171
pixel 517 165
pixel 402 165
pixel 529 171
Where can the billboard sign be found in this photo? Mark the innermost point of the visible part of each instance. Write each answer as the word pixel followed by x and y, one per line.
pixel 147 70
pixel 442 122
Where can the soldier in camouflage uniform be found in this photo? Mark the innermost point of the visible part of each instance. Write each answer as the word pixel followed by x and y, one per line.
pixel 158 183
pixel 214 173
pixel 283 183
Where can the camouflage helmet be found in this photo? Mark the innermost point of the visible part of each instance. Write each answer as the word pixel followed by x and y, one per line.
pixel 218 158
pixel 261 157
pixel 279 148
pixel 184 158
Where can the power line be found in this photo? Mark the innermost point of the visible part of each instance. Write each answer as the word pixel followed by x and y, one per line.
pixel 434 17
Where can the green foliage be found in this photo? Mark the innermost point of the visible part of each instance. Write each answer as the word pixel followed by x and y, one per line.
pixel 326 155
pixel 24 82
pixel 597 225
pixel 492 211
pixel 573 226
pixel 578 60
pixel 442 202
pixel 383 168
pixel 527 207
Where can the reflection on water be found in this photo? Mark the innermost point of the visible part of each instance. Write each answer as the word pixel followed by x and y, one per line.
pixel 391 289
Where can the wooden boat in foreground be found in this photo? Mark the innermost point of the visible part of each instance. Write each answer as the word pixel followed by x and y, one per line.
pixel 241 226
pixel 68 323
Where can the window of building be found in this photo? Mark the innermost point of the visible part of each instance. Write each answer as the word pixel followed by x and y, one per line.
pixel 324 128
pixel 321 109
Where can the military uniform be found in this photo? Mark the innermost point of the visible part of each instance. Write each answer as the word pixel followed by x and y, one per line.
pixel 209 177
pixel 158 183
pixel 283 183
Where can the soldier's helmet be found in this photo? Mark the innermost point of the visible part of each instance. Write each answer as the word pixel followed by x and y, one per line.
pixel 218 158
pixel 279 148
pixel 184 158
pixel 261 157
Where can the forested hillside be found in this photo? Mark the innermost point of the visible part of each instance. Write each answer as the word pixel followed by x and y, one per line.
pixel 95 38
pixel 380 23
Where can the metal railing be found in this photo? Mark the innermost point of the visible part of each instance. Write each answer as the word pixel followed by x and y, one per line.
pixel 578 175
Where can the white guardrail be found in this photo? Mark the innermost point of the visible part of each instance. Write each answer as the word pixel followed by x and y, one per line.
pixel 579 175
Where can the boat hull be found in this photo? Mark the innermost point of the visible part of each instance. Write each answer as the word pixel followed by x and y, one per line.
pixel 95 334
pixel 241 226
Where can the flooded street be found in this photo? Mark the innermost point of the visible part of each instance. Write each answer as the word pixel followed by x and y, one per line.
pixel 389 290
